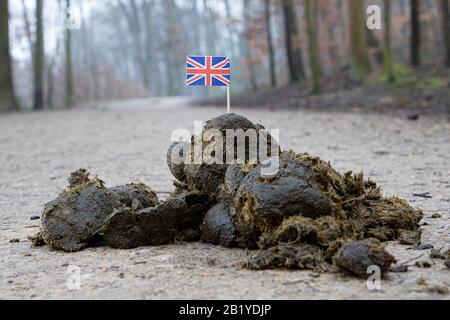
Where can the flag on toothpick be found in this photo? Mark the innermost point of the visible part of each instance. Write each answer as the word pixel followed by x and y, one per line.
pixel 208 71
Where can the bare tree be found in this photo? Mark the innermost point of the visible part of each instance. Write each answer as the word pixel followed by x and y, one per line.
pixel 170 8
pixel 28 33
pixel 231 27
pixel 68 80
pixel 387 54
pixel 195 18
pixel 446 29
pixel 147 10
pixel 375 46
pixel 270 49
pixel 293 50
pixel 313 45
pixel 27 23
pixel 415 33
pixel 38 64
pixel 248 44
pixel 358 38
pixel 7 98
pixel 210 28
pixel 134 24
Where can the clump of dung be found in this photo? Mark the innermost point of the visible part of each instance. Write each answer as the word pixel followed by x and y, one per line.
pixel 263 202
pixel 310 206
pixel 177 218
pixel 357 257
pixel 73 220
pixel 307 209
pixel 141 194
pixel 205 177
pixel 286 256
pixel 218 228
pixel 306 215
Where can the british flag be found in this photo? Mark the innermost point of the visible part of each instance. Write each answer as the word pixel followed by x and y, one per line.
pixel 208 71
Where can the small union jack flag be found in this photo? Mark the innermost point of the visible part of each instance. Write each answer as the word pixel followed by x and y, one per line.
pixel 208 71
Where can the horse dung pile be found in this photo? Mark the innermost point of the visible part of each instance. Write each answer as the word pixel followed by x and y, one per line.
pixel 305 216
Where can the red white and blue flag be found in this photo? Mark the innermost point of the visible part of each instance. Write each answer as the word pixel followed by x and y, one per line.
pixel 208 71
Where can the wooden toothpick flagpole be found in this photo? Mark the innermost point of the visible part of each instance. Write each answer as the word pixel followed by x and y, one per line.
pixel 228 100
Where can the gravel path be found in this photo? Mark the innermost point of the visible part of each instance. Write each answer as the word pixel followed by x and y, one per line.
pixel 39 150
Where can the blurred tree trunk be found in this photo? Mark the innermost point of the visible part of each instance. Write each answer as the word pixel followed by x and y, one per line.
pixel 415 33
pixel 446 29
pixel 313 45
pixel 134 25
pixel 90 58
pixel 231 27
pixel 50 84
pixel 273 78
pixel 139 46
pixel 294 55
pixel 210 29
pixel 39 59
pixel 375 45
pixel 169 10
pixel 7 98
pixel 50 77
pixel 358 38
pixel 387 53
pixel 29 34
pixel 248 45
pixel 147 8
pixel 26 21
pixel 196 25
pixel 68 78
pixel 333 23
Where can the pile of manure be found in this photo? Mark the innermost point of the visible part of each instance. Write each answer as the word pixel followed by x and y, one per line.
pixel 305 216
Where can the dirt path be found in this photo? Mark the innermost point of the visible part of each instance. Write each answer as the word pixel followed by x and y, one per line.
pixel 38 150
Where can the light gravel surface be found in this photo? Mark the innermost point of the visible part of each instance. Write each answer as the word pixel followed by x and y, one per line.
pixel 120 145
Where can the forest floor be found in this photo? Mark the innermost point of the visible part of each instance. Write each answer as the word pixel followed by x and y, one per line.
pixel 119 144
